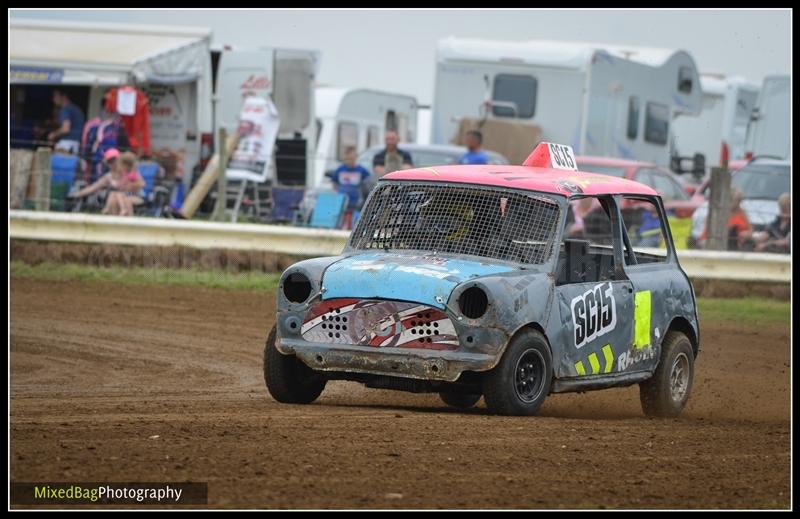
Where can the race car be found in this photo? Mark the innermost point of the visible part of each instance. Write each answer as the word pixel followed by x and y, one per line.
pixel 474 281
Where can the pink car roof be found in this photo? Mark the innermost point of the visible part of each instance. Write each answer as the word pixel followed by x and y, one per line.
pixel 547 180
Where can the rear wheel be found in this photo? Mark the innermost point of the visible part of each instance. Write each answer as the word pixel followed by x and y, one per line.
pixel 665 394
pixel 521 381
pixel 288 379
pixel 460 400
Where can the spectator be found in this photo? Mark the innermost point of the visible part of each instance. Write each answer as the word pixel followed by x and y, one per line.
pixel 740 232
pixel 391 158
pixel 475 153
pixel 649 230
pixel 67 136
pixel 123 181
pixel 132 184
pixel 348 178
pixel 777 236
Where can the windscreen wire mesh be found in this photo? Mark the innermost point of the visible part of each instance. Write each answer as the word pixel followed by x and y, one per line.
pixel 453 219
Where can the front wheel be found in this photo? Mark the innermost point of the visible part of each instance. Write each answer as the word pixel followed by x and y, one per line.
pixel 288 379
pixel 665 394
pixel 521 381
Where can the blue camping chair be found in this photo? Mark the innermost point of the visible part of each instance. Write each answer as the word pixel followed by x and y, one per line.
pixel 329 210
pixel 63 169
pixel 156 196
pixel 285 203
pixel 150 171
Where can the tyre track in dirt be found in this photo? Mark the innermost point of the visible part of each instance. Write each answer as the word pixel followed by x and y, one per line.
pixel 98 369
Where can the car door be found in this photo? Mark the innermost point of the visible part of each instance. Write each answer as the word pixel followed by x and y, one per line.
pixel 594 296
pixel 659 287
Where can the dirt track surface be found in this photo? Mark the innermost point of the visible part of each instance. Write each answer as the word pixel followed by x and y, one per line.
pixel 96 370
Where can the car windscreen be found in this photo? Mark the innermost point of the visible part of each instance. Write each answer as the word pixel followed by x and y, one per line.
pixel 455 219
pixel 763 181
pixel 614 171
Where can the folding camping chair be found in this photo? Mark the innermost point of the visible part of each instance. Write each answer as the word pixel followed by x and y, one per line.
pixel 328 210
pixel 286 204
pixel 156 196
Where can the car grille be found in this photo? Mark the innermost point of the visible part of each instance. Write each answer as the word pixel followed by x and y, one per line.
pixel 380 324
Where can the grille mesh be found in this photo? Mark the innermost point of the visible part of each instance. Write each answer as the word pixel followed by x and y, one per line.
pixel 443 218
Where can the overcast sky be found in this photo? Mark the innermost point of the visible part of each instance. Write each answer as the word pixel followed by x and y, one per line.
pixel 395 50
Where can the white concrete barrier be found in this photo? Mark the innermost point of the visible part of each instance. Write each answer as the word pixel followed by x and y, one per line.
pixel 88 228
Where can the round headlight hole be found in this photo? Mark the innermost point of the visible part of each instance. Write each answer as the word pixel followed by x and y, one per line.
pixel 296 287
pixel 473 302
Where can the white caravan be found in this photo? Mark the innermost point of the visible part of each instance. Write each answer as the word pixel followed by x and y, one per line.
pixel 358 118
pixel 769 130
pixel 601 99
pixel 728 102
pixel 178 71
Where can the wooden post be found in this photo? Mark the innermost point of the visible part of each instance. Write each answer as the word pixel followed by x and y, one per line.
pixel 222 196
pixel 204 183
pixel 20 163
pixel 719 209
pixel 42 165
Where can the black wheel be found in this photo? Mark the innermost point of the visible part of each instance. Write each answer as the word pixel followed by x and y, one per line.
pixel 289 380
pixel 521 381
pixel 665 394
pixel 460 400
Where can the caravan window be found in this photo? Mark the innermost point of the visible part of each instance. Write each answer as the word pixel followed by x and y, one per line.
pixel 346 136
pixel 373 136
pixel 515 96
pixel 633 117
pixel 656 123
pixel 685 80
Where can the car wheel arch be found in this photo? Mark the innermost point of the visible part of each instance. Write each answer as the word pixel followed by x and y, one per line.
pixel 683 325
pixel 528 326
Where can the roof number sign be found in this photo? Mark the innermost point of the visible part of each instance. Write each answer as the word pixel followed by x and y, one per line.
pixel 552 155
pixel 561 157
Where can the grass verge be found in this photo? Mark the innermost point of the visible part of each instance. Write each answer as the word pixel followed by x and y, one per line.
pixel 146 276
pixel 748 310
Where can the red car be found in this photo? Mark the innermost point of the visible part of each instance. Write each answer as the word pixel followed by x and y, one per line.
pixel 680 198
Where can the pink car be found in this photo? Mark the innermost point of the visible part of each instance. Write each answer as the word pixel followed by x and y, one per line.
pixel 680 197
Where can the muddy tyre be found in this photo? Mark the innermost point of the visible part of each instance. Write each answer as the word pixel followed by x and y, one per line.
pixel 288 380
pixel 521 381
pixel 459 400
pixel 665 394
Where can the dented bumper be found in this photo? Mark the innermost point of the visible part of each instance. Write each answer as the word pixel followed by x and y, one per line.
pixel 445 365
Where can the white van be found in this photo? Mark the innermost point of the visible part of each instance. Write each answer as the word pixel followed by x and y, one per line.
pixel 358 118
pixel 769 131
pixel 728 102
pixel 601 99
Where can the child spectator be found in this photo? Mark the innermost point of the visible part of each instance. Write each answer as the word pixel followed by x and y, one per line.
pixel 123 181
pixel 348 179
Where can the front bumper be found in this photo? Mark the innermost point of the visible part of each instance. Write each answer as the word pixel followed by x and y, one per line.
pixel 444 365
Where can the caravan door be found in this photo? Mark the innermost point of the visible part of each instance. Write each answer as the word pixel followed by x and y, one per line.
pixel 241 73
